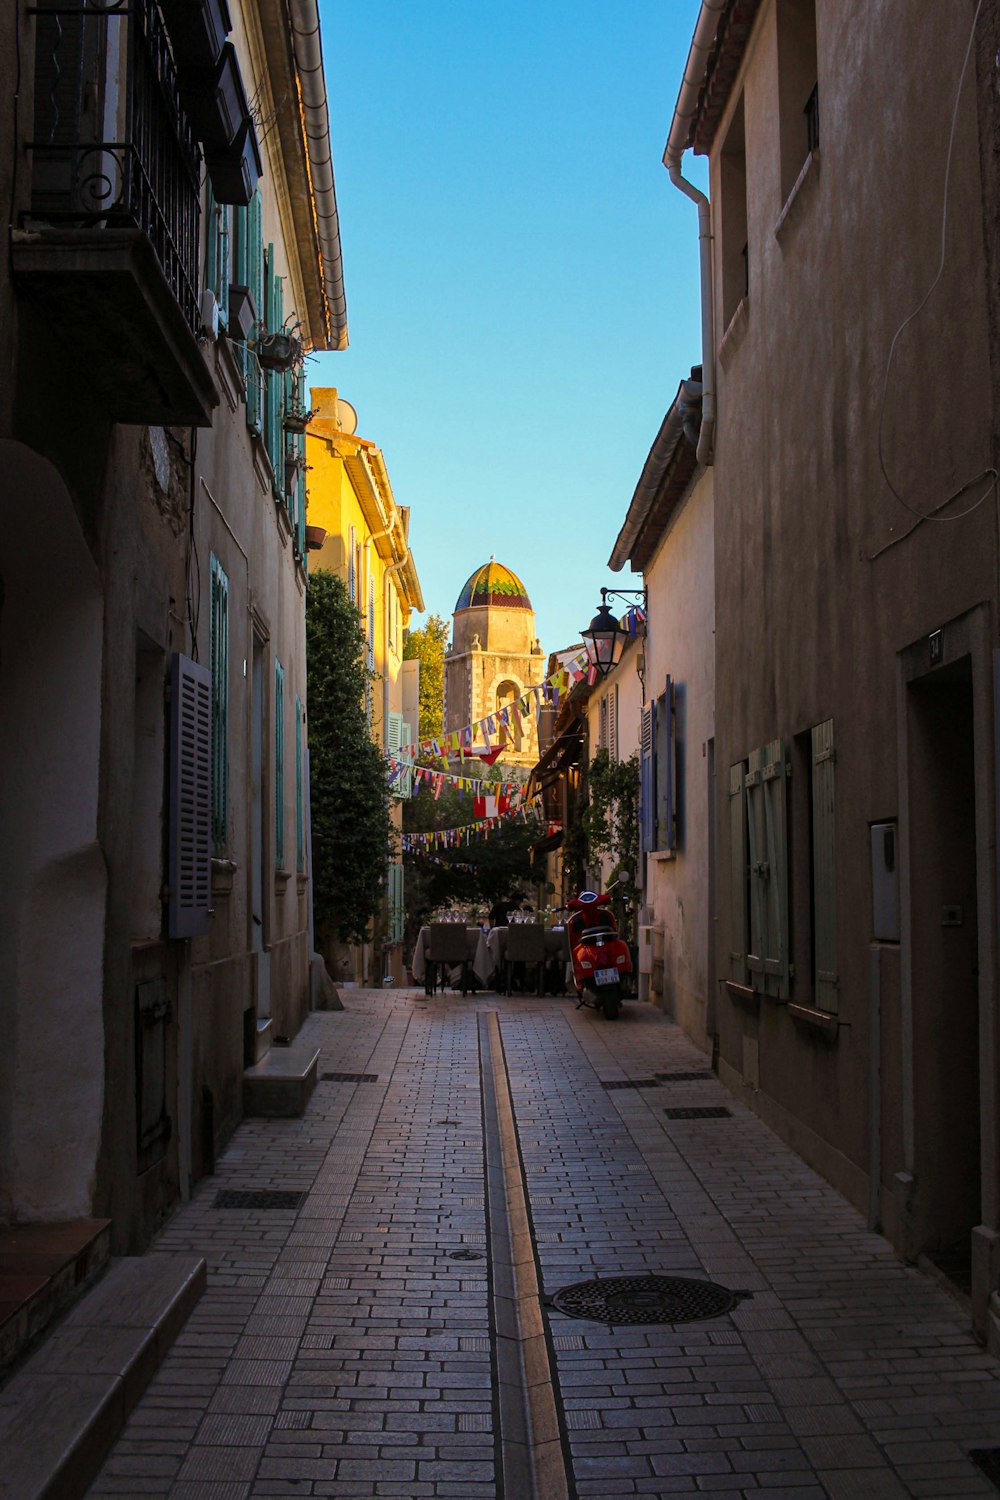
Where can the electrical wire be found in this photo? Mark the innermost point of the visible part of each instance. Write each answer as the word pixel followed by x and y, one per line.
pixel 987 473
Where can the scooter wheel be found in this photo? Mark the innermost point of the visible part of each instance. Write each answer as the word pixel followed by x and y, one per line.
pixel 611 1003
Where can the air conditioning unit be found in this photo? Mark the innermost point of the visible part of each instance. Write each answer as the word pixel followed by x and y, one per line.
pixel 209 314
pixel 646 950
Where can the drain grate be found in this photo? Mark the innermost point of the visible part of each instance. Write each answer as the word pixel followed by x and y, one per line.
pixel 700 1112
pixel 684 1077
pixel 466 1254
pixel 988 1461
pixel 645 1299
pixel 233 1198
pixel 629 1083
pixel 349 1077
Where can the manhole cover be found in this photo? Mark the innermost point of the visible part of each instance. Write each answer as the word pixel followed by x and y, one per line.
pixel 232 1198
pixel 466 1254
pixel 645 1299
pixel 629 1083
pixel 988 1460
pixel 683 1077
pixel 349 1077
pixel 703 1112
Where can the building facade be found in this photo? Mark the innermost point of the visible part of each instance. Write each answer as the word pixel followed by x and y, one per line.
pixel 856 595
pixel 494 655
pixel 169 264
pixel 365 542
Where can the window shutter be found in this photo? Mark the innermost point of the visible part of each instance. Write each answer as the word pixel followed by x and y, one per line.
pixel 766 783
pixel 406 779
pixel 737 874
pixel 824 868
pixel 255 281
pixel 217 254
pixel 613 723
pixel 189 861
pixel 371 622
pixel 275 379
pixel 219 659
pixel 300 845
pixel 666 838
pixel 647 784
pixel 279 765
pixel 211 240
pixel 602 723
pixel 395 732
pixel 352 581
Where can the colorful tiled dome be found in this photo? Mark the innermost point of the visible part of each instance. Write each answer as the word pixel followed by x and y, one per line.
pixel 493 584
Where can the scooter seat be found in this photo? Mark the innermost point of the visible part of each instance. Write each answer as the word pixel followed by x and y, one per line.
pixel 597 932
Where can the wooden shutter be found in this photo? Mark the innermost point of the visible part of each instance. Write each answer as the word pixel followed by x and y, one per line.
pixel 766 783
pixel 824 871
pixel 219 658
pixel 613 723
pixel 255 281
pixel 300 845
pixel 665 770
pixel 737 873
pixel 274 379
pixel 647 783
pixel 602 723
pixel 279 765
pixel 371 622
pixel 352 578
pixel 217 254
pixel 189 859
pixel 406 779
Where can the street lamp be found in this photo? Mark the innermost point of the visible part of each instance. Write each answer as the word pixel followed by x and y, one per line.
pixel 604 638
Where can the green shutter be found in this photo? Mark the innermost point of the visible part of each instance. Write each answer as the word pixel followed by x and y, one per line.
pixel 279 765
pixel 275 380
pixel 211 240
pixel 300 843
pixel 737 874
pixel 255 281
pixel 219 666
pixel 824 871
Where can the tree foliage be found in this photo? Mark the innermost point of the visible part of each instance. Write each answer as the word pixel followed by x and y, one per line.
pixel 427 645
pixel 351 828
pixel 609 824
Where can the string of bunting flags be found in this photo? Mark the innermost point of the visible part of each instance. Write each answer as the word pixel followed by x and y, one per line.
pixel 453 838
pixel 471 784
pixel 458 743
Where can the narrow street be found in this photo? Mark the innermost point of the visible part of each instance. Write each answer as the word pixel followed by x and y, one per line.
pixel 372 1327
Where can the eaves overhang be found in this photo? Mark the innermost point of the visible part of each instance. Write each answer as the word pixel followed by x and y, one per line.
pixel 669 468
pixel 724 62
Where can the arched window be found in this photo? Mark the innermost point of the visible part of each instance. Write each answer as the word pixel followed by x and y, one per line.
pixel 508 693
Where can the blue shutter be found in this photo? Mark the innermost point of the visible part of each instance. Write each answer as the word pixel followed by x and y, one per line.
pixel 189 858
pixel 219 659
pixel 279 765
pixel 667 838
pixel 300 844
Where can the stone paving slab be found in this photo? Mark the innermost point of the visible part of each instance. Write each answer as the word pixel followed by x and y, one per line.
pixel 342 1350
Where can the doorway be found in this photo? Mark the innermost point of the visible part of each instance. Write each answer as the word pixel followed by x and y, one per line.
pixel 945 966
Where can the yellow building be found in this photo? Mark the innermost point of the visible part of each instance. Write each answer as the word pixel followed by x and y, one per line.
pixel 366 543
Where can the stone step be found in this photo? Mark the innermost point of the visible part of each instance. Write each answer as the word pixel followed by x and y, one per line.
pixel 62 1410
pixel 42 1267
pixel 279 1086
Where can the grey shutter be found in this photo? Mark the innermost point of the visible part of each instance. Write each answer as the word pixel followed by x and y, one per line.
pixel 824 868
pixel 189 861
pixel 647 784
pixel 767 827
pixel 737 873
pixel 666 838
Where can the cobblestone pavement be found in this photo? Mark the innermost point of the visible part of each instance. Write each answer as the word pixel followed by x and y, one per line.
pixel 342 1349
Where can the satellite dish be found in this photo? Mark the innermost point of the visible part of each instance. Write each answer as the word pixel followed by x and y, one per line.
pixel 347 417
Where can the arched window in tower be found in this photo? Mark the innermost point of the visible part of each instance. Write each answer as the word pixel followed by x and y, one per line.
pixel 508 693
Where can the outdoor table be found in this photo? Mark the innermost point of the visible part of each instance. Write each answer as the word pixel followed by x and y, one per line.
pixel 476 954
pixel 556 948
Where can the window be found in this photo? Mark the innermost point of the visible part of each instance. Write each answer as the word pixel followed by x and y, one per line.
pixel 823 859
pixel 274 380
pixel 734 237
pixel 248 270
pixel 613 722
pixel 192 782
pixel 217 254
pixel 798 91
pixel 658 773
pixel 758 827
pixel 300 832
pixel 352 574
pixel 371 622
pixel 507 695
pixel 602 722
pixel 219 668
pixel 279 765
pixel 394 740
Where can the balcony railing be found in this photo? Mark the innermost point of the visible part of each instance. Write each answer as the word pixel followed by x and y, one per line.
pixel 112 146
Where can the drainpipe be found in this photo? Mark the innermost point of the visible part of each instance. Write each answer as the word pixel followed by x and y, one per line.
pixel 308 49
pixel 685 109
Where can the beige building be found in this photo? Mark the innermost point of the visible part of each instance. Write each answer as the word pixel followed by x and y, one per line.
pixel 169 266
pixel 856 597
pixel 494 655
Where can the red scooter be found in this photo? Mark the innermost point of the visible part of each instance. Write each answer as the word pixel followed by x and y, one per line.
pixel 600 957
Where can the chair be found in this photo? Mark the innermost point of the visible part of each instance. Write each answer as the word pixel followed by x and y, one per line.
pixel 447 945
pixel 526 945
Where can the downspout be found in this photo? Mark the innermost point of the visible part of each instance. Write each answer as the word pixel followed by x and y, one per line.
pixel 308 49
pixel 685 110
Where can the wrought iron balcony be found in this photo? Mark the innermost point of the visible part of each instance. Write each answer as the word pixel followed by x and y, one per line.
pixel 115 194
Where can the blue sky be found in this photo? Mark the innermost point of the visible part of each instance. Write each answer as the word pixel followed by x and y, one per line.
pixel 522 278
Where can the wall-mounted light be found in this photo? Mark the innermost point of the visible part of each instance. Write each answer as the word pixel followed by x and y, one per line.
pixel 604 637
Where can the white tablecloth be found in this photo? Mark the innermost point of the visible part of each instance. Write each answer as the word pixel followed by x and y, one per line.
pixel 478 956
